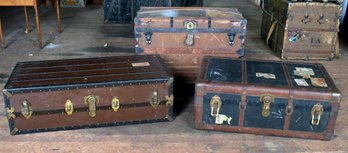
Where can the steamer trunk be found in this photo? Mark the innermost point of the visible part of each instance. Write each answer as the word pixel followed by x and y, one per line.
pixel 302 30
pixel 93 92
pixel 182 36
pixel 266 97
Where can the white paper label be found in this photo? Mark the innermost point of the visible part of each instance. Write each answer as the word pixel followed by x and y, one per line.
pixel 304 72
pixel 220 119
pixel 301 82
pixel 140 64
pixel 266 75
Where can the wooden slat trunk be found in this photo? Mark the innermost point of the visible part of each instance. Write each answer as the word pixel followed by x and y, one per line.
pixel 94 92
pixel 302 30
pixel 182 36
pixel 266 97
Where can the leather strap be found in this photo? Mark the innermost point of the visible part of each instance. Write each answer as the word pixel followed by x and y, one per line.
pixel 271 30
pixel 338 53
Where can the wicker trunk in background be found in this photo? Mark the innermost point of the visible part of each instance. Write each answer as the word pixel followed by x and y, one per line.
pixel 182 36
pixel 123 11
pixel 302 30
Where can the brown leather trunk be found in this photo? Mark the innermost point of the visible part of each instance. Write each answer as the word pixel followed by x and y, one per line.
pixel 93 92
pixel 182 36
pixel 302 30
pixel 266 97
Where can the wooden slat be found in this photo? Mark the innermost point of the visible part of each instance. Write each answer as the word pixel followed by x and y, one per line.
pixel 17 2
pixel 80 61
pixel 86 73
pixel 90 70
pixel 85 80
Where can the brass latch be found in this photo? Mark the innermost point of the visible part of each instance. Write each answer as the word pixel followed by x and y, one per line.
pixel 92 102
pixel 26 109
pixel 154 100
pixel 266 108
pixel 69 107
pixel 115 104
pixel 10 113
pixel 170 100
pixel 215 105
pixel 317 112
pixel 190 25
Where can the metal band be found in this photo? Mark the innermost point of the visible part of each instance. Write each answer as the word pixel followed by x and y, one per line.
pixel 15 131
pixel 89 85
pixel 184 30
pixel 62 111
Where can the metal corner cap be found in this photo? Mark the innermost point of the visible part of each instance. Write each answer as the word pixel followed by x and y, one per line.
pixel 6 93
pixel 336 97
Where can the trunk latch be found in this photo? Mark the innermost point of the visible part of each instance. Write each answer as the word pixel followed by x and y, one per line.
pixel 215 105
pixel 231 37
pixel 26 109
pixel 115 104
pixel 190 25
pixel 317 112
pixel 148 36
pixel 92 102
pixel 266 108
pixel 154 100
pixel 69 107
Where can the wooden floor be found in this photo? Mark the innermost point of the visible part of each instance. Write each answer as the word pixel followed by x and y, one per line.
pixel 85 35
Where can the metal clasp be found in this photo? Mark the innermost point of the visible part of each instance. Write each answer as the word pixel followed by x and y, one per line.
pixel 190 25
pixel 69 107
pixel 317 112
pixel 170 100
pixel 26 109
pixel 215 105
pixel 306 19
pixel 231 37
pixel 10 113
pixel 148 36
pixel 189 39
pixel 266 108
pixel 154 102
pixel 115 104
pixel 321 19
pixel 92 102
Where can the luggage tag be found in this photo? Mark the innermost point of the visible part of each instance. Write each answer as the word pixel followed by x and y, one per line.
pixel 140 64
pixel 319 82
pixel 301 82
pixel 220 119
pixel 304 72
pixel 266 75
